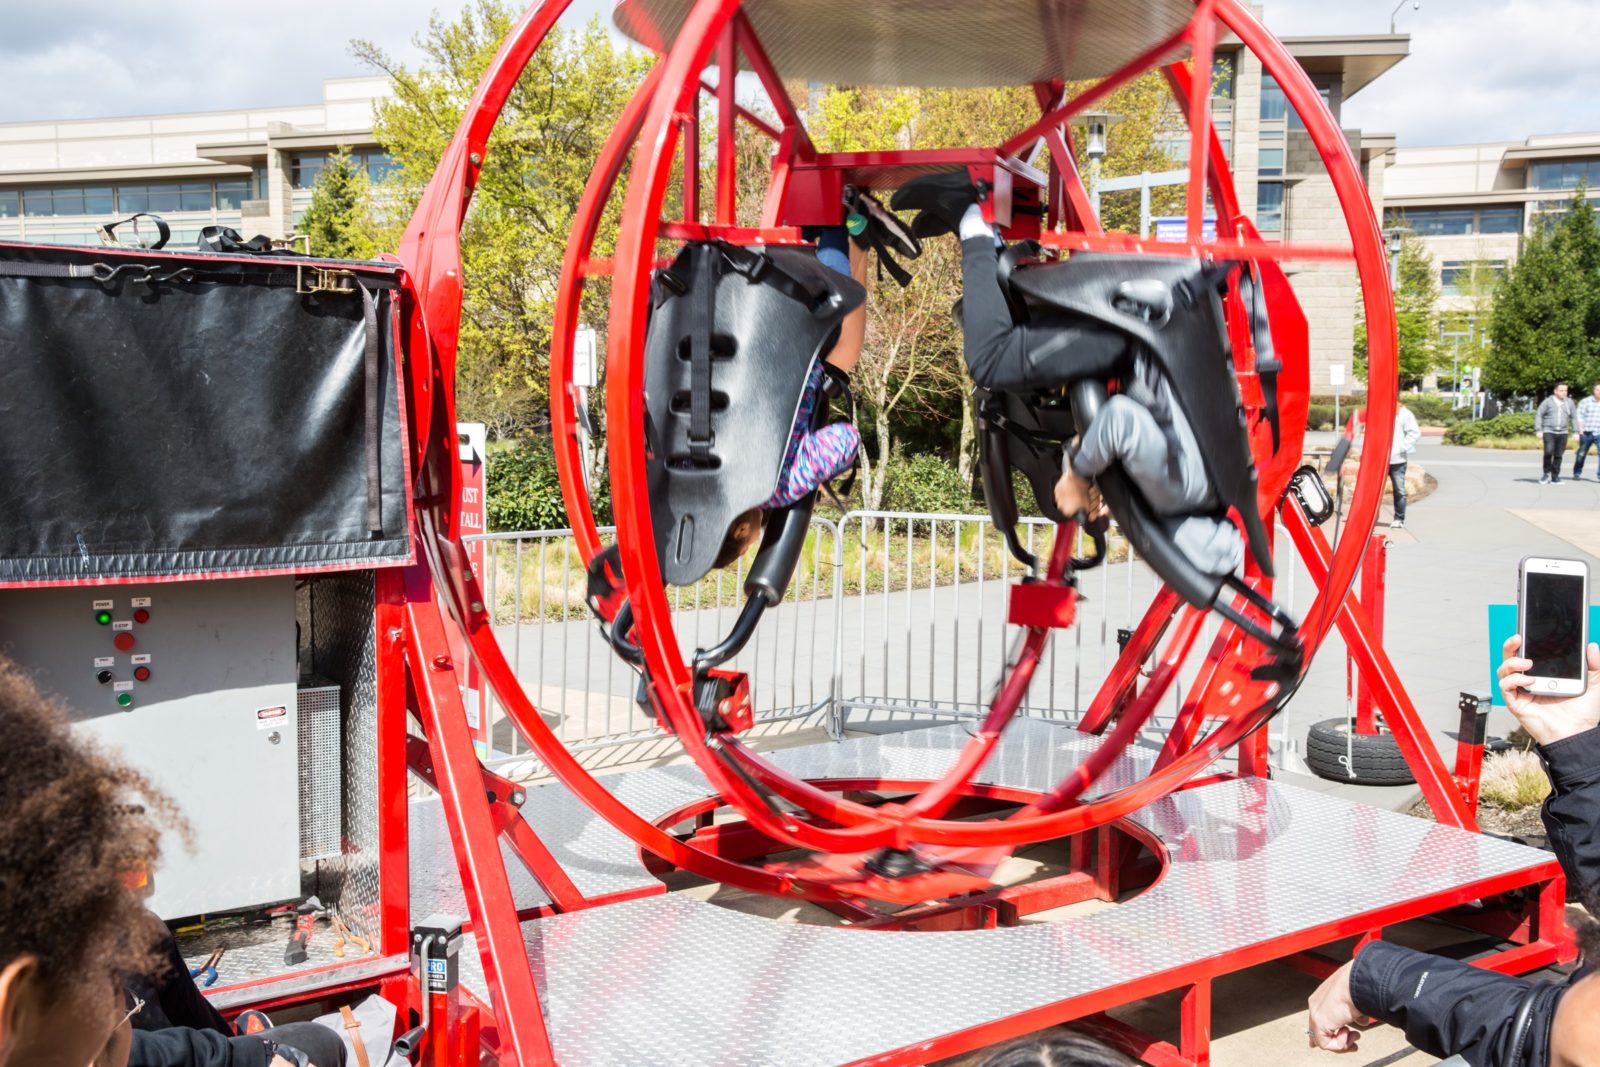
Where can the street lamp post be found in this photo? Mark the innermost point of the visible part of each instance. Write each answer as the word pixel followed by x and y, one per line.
pixel 1095 125
pixel 1416 5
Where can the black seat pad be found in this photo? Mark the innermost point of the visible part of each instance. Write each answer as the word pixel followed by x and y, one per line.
pixel 1191 348
pixel 774 310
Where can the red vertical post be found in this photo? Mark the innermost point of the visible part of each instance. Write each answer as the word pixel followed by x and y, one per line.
pixel 1204 39
pixel 727 134
pixel 393 920
pixel 690 125
pixel 1194 1041
pixel 1373 580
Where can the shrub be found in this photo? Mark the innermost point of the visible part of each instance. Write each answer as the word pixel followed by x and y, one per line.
pixel 1433 410
pixel 1320 417
pixel 1513 780
pixel 525 494
pixel 927 483
pixel 1500 427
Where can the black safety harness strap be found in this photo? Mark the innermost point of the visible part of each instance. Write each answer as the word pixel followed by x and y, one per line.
pixel 370 372
pixel 1268 366
pixel 701 322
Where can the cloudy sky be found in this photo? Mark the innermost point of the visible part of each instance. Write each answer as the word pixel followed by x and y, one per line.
pixel 1479 69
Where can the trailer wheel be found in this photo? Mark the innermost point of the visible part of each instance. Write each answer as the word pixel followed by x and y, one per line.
pixel 1335 752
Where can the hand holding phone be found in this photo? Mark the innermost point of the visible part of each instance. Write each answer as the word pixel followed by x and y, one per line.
pixel 1549 718
pixel 1553 621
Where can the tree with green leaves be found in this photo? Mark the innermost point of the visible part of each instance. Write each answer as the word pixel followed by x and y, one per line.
pixel 1547 308
pixel 1464 334
pixel 539 156
pixel 339 219
pixel 1415 315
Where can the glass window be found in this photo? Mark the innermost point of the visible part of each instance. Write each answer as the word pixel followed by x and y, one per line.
pixel 1446 222
pixel 1455 277
pixel 232 192
pixel 1271 162
pixel 1564 174
pixel 1500 220
pixel 304 168
pixel 67 200
pixel 379 165
pixel 1274 105
pixel 1296 123
pixel 10 203
pixel 1269 207
pixel 1222 77
pixel 194 196
pixel 261 182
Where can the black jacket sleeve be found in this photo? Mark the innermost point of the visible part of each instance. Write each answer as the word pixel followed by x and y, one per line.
pixel 1449 1008
pixel 172 998
pixel 1572 811
pixel 181 1046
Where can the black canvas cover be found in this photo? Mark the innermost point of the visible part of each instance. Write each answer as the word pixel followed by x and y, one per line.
pixel 178 414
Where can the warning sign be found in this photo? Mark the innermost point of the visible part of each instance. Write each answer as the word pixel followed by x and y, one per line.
pixel 271 718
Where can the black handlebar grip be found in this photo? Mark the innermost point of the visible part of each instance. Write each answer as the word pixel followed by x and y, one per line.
pixel 780 551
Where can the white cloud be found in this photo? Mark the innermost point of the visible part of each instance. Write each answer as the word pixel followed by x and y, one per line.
pixel 1479 69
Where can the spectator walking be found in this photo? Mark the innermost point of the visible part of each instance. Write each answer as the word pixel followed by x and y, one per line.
pixel 1588 429
pixel 1406 435
pixel 1553 422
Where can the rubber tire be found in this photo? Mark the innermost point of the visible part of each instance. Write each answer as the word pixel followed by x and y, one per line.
pixel 1374 760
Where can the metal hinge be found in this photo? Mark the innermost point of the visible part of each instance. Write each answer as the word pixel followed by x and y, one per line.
pixel 323 280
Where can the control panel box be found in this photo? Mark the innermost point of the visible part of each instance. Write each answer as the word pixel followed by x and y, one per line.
pixel 194 684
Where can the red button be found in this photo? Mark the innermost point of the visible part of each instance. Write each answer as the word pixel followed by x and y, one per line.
pixel 142 673
pixel 123 641
pixel 141 615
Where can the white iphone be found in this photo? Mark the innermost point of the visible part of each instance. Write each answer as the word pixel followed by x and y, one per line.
pixel 1553 618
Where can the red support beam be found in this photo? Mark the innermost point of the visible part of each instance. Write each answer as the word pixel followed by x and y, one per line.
pixel 1203 41
pixel 477 848
pixel 1438 787
pixel 1374 580
pixel 727 132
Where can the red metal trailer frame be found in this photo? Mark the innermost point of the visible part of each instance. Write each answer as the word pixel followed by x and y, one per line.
pixel 428 609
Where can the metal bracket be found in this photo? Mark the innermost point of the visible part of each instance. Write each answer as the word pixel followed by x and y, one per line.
pixel 323 280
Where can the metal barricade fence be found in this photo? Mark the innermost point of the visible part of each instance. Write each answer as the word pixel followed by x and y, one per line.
pixel 536 583
pixel 890 616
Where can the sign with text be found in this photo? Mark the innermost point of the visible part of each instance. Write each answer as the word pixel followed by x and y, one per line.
pixel 472 451
pixel 1175 228
pixel 1336 374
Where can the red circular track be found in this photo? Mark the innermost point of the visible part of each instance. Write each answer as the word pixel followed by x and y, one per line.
pixel 650 129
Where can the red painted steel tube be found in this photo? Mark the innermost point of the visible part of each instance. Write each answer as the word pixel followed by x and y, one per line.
pixel 466 809
pixel 1438 787
pixel 1124 675
pixel 1373 582
pixel 1085 100
pixel 727 134
pixel 1203 39
pixel 568 303
pixel 1220 249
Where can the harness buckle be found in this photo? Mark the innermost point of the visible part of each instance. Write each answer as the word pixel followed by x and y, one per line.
pixel 323 280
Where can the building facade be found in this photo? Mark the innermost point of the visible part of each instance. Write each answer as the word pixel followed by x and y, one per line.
pixel 1474 205
pixel 251 169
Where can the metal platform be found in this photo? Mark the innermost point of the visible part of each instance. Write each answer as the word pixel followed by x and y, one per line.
pixel 1257 870
pixel 935 42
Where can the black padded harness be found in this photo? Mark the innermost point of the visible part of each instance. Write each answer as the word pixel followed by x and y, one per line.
pixel 734 332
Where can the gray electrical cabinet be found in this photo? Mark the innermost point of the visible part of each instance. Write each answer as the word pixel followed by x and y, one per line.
pixel 194 684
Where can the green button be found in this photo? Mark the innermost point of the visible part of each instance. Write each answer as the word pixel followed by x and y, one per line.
pixel 124 700
pixel 103 618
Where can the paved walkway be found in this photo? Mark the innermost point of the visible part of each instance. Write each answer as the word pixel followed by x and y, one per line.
pixel 1458 553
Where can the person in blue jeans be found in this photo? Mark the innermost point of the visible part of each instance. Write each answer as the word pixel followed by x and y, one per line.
pixel 1588 429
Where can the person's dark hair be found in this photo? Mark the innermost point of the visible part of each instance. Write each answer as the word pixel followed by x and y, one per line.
pixel 741 532
pixel 1057 1050
pixel 1588 931
pixel 1558 385
pixel 77 832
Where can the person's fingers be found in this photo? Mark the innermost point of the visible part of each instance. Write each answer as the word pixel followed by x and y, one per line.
pixel 1515 681
pixel 1511 645
pixel 1594 656
pixel 1514 665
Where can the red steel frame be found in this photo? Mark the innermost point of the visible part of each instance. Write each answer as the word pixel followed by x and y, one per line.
pixel 439 593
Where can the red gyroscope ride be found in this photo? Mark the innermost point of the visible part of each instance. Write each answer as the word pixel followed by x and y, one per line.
pixel 1072 54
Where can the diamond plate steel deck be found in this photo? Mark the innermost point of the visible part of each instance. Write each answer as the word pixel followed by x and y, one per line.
pixel 934 42
pixel 1251 861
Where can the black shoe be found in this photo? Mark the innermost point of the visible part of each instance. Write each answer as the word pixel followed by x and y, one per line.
pixel 941 200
